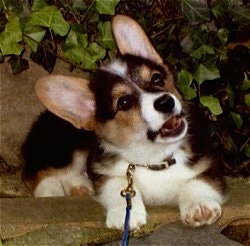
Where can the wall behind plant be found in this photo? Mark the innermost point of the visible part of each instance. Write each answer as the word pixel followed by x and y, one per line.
pixel 205 42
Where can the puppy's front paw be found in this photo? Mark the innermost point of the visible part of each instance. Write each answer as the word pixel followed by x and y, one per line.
pixel 201 213
pixel 116 218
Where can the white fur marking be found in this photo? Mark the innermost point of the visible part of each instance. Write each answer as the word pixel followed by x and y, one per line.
pixel 115 205
pixel 117 67
pixel 154 118
pixel 199 203
pixel 65 180
pixel 49 186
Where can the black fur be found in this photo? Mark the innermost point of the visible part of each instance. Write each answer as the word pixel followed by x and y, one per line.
pixel 51 143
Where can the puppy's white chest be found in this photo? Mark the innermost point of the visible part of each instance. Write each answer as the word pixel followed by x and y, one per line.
pixel 160 187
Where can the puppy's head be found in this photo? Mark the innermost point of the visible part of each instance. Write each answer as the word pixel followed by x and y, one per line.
pixel 132 99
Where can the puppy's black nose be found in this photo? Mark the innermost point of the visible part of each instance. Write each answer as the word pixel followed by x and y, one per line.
pixel 164 104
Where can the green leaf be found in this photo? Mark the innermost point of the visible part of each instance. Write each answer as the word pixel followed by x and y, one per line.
pixel 51 18
pixel 212 103
pixel 247 99
pixel 18 64
pixel 231 95
pixel 199 35
pixel 79 5
pixel 237 119
pixel 96 51
pixel 184 82
pixel 33 36
pixel 220 11
pixel 195 10
pixel 106 39
pixel 78 50
pixel 240 13
pixel 81 57
pixel 246 83
pixel 222 35
pixel 44 57
pixel 11 37
pixel 201 51
pixel 38 4
pixel 203 73
pixel 106 7
pixel 184 78
pixel 76 39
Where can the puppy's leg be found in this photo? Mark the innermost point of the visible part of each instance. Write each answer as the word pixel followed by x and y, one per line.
pixel 199 203
pixel 49 186
pixel 115 205
pixel 76 184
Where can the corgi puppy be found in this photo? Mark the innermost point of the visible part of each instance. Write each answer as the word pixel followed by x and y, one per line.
pixel 129 112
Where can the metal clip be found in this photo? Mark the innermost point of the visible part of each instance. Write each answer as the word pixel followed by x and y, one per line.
pixel 130 189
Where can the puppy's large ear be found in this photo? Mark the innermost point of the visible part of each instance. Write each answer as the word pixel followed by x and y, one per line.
pixel 131 38
pixel 69 98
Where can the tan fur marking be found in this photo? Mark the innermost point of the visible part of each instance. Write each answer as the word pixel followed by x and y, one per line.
pixel 119 90
pixel 123 129
pixel 146 73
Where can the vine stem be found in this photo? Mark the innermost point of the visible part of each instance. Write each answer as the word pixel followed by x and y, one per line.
pixel 87 11
pixel 58 56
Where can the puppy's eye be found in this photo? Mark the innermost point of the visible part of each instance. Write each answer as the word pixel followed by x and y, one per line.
pixel 125 103
pixel 157 79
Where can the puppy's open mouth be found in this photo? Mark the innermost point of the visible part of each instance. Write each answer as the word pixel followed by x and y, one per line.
pixel 171 128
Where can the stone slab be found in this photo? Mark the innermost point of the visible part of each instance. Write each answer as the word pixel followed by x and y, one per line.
pixel 80 220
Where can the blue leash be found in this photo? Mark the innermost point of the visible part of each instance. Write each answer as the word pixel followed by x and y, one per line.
pixel 125 237
pixel 128 193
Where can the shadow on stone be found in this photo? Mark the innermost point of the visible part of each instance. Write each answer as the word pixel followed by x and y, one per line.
pixel 176 233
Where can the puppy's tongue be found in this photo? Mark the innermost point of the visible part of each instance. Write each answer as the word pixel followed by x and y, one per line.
pixel 171 125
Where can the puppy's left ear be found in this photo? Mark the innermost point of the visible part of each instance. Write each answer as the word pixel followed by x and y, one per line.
pixel 69 98
pixel 131 39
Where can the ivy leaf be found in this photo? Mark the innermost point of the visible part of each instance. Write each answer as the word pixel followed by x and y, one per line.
pixel 18 64
pixel 76 39
pixel 201 51
pixel 106 37
pixel 10 38
pixel 96 51
pixel 3 21
pixel 44 57
pixel 247 99
pixel 78 50
pixel 220 11
pixel 195 10
pixel 222 35
pixel 184 82
pixel 38 4
pixel 240 13
pixel 212 103
pixel 106 7
pixel 203 73
pixel 237 119
pixel 51 18
pixel 184 78
pixel 33 35
pixel 246 83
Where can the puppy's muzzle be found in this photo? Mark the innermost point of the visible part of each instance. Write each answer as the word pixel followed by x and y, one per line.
pixel 170 118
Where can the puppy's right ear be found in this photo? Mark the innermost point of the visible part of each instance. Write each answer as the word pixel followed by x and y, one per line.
pixel 131 39
pixel 69 98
